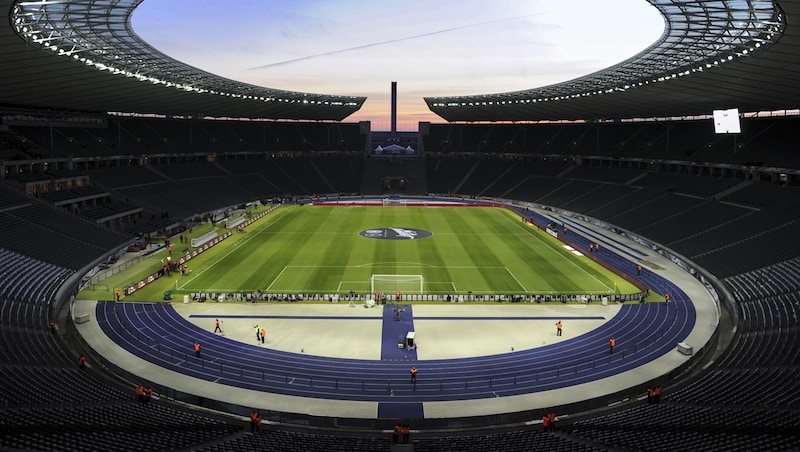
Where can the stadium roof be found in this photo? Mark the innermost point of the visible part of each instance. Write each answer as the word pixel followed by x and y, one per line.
pixel 82 55
pixel 712 55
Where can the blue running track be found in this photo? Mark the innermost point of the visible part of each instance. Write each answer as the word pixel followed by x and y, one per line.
pixel 157 333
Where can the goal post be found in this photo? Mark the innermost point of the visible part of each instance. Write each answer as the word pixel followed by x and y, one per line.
pixel 394 202
pixel 390 284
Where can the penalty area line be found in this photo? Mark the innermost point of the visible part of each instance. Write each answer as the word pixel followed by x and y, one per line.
pixel 276 278
pixel 515 279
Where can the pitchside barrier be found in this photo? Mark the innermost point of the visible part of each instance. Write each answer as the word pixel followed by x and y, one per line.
pixel 392 297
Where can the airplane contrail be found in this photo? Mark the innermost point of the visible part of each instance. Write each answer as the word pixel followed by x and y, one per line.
pixel 390 41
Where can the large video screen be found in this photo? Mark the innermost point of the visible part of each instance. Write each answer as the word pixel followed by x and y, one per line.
pixel 727 121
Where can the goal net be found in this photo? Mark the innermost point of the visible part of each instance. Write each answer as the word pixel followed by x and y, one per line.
pixel 390 284
pixel 394 202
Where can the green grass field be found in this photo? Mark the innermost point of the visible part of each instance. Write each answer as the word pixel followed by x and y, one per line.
pixel 307 249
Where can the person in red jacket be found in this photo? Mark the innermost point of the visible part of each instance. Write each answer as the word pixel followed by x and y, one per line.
pixel 148 395
pixel 197 349
pixel 552 424
pixel 82 362
pixel 140 393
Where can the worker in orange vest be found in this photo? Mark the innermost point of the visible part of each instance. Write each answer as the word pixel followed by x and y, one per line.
pixel 650 395
pixel 657 394
pixel 558 328
pixel 253 417
pixel 117 293
pixel 82 362
pixel 52 327
pixel 552 417
pixel 545 422
pixel 148 395
pixel 140 393
pixel 638 269
pixel 413 372
pixel 217 328
pixel 666 298
pixel 197 349
pixel 263 334
pixel 396 434
pixel 611 343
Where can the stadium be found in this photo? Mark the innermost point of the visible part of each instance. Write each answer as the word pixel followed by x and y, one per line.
pixel 155 215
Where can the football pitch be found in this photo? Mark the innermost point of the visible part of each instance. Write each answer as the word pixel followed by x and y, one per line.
pixel 449 250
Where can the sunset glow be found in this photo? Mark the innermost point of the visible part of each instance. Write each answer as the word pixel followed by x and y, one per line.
pixel 440 48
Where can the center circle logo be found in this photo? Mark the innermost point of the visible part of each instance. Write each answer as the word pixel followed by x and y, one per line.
pixel 395 233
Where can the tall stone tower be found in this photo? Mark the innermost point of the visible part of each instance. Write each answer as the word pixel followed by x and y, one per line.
pixel 394 110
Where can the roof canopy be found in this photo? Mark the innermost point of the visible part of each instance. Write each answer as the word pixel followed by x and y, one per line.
pixel 84 55
pixel 712 54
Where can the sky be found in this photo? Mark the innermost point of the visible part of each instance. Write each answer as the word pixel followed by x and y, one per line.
pixel 429 47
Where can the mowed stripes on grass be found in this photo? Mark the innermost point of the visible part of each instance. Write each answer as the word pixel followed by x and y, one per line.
pixel 315 249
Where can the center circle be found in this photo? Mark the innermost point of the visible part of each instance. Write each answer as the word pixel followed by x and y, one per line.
pixel 395 233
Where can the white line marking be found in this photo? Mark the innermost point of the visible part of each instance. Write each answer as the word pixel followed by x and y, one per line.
pixel 278 214
pixel 517 280
pixel 571 262
pixel 276 278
